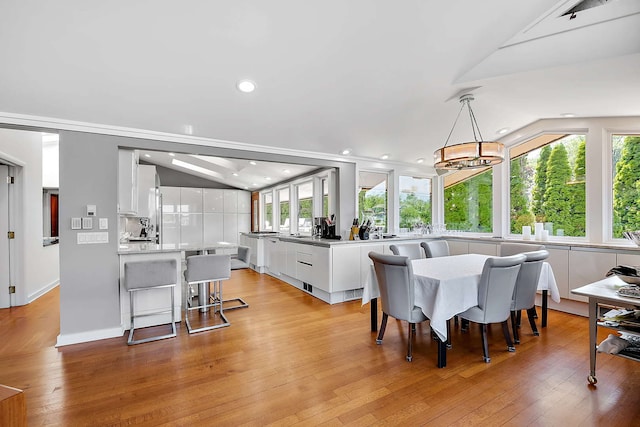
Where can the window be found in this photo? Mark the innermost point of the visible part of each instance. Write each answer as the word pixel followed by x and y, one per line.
pixel 626 176
pixel 267 219
pixel 372 198
pixel 547 185
pixel 304 195
pixel 283 199
pixel 468 200
pixel 415 201
pixel 325 197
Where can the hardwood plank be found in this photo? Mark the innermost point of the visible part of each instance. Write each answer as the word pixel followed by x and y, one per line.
pixel 291 359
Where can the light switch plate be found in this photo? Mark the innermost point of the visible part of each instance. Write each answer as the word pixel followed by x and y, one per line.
pixel 91 210
pixel 76 223
pixel 104 224
pixel 87 223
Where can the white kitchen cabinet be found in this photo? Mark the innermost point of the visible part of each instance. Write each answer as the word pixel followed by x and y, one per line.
pixel 213 227
pixel 170 233
pixel 230 232
pixel 128 182
pixel 588 266
pixel 365 261
pixel 170 200
pixel 321 268
pixel 346 268
pixel 244 222
pixel 481 248
pixel 244 202
pixel 190 200
pixel 213 200
pixel 147 192
pixel 559 261
pixel 191 229
pixel 230 201
pixel 457 247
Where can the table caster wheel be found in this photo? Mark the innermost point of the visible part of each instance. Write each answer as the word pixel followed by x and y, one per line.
pixel 592 379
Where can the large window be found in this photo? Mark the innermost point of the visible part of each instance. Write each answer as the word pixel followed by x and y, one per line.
pixel 547 185
pixel 468 201
pixel 415 202
pixel 626 184
pixel 267 202
pixel 283 199
pixel 304 195
pixel 372 199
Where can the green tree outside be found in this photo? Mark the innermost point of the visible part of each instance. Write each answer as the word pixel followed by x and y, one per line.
pixel 520 213
pixel 626 188
pixel 558 198
pixel 579 194
pixel 468 205
pixel 540 184
pixel 414 210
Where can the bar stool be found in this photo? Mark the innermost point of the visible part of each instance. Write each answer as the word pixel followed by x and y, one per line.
pixel 241 261
pixel 146 275
pixel 204 270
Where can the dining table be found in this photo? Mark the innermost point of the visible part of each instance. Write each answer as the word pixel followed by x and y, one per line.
pixel 444 287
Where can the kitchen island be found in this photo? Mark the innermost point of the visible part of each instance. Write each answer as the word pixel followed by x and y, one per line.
pixel 153 300
pixel 331 270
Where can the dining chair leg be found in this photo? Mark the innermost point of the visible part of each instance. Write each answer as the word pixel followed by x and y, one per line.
pixel 464 325
pixel 485 343
pixel 412 333
pixel 383 326
pixel 507 337
pixel 532 321
pixel 514 326
pixel 518 318
pixel 449 333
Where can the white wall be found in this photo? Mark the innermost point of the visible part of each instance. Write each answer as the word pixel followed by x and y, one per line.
pixel 37 267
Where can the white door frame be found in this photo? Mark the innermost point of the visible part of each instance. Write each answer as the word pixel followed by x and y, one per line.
pixel 10 209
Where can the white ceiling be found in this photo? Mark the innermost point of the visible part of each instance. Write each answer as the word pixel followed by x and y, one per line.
pixel 240 173
pixel 372 75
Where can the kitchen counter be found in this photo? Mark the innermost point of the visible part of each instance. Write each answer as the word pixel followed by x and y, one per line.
pixel 141 248
pixel 327 243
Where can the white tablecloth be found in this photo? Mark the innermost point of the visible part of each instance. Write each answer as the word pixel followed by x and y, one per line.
pixel 447 286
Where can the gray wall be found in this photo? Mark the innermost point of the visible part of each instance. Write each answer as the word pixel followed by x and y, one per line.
pixel 89 274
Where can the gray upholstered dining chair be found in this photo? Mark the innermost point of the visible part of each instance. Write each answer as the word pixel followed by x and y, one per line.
pixel 524 294
pixel 395 280
pixel 410 250
pixel 435 248
pixel 495 292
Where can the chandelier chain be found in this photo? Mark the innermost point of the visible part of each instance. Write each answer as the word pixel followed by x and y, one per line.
pixel 454 124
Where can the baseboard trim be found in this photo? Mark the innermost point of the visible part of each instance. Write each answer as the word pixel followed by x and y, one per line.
pixel 82 337
pixel 34 296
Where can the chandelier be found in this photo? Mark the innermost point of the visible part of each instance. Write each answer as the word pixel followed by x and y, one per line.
pixel 468 155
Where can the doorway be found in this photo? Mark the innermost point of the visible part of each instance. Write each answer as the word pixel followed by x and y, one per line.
pixel 5 241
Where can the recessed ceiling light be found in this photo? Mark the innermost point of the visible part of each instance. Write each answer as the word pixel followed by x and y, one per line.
pixel 346 151
pixel 384 157
pixel 420 160
pixel 188 129
pixel 268 178
pixel 254 184
pixel 246 86
pixel 234 174
pixel 568 115
pixel 172 154
pixel 502 131
pixel 147 155
pixel 252 163
pixel 286 171
pixel 246 188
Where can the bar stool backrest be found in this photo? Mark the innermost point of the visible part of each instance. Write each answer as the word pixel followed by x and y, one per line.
pixel 211 267
pixel 147 274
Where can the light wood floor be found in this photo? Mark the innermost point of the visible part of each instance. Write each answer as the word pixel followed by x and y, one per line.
pixel 290 359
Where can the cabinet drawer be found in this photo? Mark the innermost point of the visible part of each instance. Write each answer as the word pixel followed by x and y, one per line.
pixel 305 258
pixel 304 272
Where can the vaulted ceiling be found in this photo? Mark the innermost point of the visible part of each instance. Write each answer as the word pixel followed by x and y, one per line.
pixel 376 76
